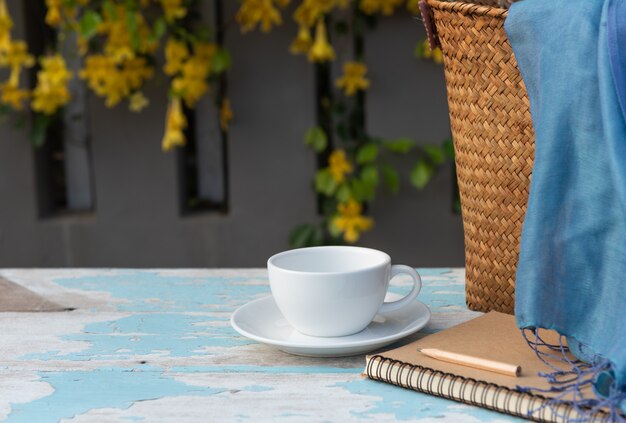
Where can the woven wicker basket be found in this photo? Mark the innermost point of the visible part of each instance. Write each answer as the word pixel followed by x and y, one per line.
pixel 494 144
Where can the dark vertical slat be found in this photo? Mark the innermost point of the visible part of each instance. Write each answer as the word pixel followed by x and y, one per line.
pixel 49 167
pixel 63 167
pixel 203 161
pixel 76 140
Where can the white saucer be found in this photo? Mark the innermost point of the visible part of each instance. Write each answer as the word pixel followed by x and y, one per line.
pixel 262 321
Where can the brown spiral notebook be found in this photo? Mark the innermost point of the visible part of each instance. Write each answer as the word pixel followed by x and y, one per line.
pixel 493 336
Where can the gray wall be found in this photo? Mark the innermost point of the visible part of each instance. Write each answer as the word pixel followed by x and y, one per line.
pixel 137 221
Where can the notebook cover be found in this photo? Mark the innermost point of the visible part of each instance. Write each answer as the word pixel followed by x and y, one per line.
pixel 493 336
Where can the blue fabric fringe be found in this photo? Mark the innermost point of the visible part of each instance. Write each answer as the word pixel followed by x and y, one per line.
pixel 572 377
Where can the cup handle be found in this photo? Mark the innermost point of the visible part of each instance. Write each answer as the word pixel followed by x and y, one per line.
pixel 400 269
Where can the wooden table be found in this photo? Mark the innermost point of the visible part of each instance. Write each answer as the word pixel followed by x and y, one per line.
pixel 157 346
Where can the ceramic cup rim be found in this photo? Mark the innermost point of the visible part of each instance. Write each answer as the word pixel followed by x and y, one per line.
pixel 385 262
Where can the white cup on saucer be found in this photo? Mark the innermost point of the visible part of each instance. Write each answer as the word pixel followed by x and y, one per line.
pixel 335 290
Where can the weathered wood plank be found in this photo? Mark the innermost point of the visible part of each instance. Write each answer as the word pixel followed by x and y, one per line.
pixel 156 345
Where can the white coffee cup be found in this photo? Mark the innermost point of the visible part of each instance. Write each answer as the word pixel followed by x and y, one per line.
pixel 335 290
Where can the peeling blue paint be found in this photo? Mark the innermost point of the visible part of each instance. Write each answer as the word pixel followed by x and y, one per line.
pixel 173 334
pixel 434 271
pixel 405 404
pixel 76 392
pixel 174 293
pixel 452 300
pixel 288 414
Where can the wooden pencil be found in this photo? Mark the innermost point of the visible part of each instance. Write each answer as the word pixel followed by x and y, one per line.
pixel 475 362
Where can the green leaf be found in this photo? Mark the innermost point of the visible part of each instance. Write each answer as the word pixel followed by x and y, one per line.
pixel 369 174
pixel 158 29
pixel 325 183
pixel 421 174
pixel 418 51
pixel 109 9
pixel 344 193
pixel 334 231
pixel 306 235
pixel 400 145
pixel 301 236
pixel 436 154
pixel 316 138
pixel 448 148
pixel 367 153
pixel 88 24
pixel 317 238
pixel 131 23
pixel 363 190
pixel 40 129
pixel 358 189
pixel 203 34
pixel 221 61
pixel 391 178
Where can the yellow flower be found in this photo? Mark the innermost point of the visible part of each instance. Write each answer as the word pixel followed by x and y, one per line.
pixel 17 55
pixel 191 72
pixel 51 91
pixel 174 9
pixel 310 11
pixel 53 16
pixel 97 71
pixel 175 124
pixel 205 51
pixel 321 51
pixel 436 55
pixel 6 23
pixel 385 7
pixel 413 6
pixel 12 96
pixel 339 166
pixel 192 85
pixel 351 222
pixel 259 12
pixel 303 41
pixel 226 114
pixel 112 81
pixel 138 102
pixel 135 71
pixel 353 78
pixel 118 38
pixel 175 54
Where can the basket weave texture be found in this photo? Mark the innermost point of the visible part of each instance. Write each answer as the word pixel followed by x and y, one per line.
pixel 494 145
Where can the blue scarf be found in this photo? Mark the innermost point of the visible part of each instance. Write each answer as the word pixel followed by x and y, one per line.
pixel 571 275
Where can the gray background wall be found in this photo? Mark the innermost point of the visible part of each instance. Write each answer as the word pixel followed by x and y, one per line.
pixel 137 220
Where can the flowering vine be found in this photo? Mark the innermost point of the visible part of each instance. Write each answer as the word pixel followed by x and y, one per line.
pixel 353 162
pixel 118 42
